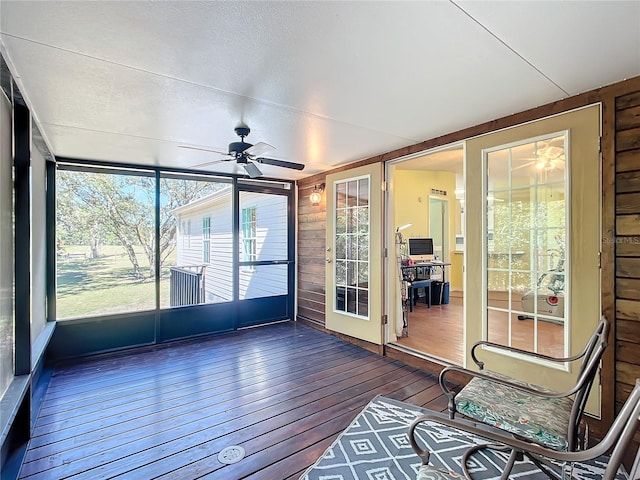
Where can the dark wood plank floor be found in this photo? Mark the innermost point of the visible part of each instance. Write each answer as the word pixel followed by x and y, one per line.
pixel 283 392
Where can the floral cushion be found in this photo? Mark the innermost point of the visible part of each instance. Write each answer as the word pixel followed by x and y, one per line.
pixel 428 472
pixel 544 421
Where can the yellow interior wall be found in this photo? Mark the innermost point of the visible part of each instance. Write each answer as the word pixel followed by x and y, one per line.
pixel 584 281
pixel 455 272
pixel 412 201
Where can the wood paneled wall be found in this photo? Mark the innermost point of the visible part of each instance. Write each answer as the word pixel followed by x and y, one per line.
pixel 627 243
pixel 311 256
pixel 620 228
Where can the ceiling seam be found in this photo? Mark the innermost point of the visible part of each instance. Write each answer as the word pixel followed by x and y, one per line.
pixel 220 90
pixel 143 137
pixel 521 57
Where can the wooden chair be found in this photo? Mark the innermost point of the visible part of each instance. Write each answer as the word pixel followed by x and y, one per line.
pixel 529 412
pixel 616 441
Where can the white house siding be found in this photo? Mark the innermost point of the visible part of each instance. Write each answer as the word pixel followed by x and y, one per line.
pixel 218 272
pixel 271 244
pixel 265 281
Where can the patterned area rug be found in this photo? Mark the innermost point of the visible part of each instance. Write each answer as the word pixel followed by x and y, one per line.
pixel 376 447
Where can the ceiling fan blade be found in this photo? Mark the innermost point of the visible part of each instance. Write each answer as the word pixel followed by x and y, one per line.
pixel 524 165
pixel 252 170
pixel 280 163
pixel 259 148
pixel 203 149
pixel 213 162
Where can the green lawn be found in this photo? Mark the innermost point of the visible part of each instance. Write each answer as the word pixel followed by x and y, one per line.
pixel 105 285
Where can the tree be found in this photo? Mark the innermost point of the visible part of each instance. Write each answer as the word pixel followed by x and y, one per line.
pixel 94 208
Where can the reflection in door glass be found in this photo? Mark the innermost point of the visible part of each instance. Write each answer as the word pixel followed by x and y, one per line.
pixel 526 228
pixel 351 244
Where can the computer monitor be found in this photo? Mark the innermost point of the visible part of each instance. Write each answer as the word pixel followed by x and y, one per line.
pixel 421 249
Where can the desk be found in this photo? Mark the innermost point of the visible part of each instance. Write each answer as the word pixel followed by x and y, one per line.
pixel 431 266
pixel 418 276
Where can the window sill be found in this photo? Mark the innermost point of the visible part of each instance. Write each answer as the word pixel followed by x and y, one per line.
pixel 11 402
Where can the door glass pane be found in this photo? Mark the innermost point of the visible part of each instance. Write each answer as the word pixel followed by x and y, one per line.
pixel 351 246
pixel 195 238
pixel 264 237
pixel 526 227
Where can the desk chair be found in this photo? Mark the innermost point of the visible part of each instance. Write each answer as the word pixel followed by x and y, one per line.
pixel 413 292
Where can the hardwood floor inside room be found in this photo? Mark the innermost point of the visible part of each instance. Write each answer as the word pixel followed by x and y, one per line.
pixel 283 392
pixel 438 331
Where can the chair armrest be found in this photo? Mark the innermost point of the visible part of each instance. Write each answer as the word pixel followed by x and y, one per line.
pixel 498 346
pixel 500 437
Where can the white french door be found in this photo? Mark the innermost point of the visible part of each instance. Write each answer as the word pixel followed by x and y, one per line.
pixel 354 253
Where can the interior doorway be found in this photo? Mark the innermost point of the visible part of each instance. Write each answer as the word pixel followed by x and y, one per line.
pixel 426 201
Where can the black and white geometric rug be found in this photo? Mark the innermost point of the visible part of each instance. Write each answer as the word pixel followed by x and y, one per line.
pixel 376 447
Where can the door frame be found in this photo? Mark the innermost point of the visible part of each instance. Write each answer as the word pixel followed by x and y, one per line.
pixel 393 308
pixel 369 329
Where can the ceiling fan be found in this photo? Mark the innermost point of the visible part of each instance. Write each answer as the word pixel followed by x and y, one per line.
pixel 546 158
pixel 246 154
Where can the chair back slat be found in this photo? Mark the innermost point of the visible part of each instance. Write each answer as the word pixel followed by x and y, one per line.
pixel 593 352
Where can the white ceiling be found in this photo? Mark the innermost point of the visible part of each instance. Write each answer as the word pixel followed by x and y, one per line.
pixel 327 83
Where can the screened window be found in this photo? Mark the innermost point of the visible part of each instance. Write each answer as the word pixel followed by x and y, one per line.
pixel 105 242
pixel 7 293
pixel 267 241
pixel 200 271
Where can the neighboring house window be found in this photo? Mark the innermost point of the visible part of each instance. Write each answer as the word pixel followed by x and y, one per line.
pixel 206 240
pixel 249 235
